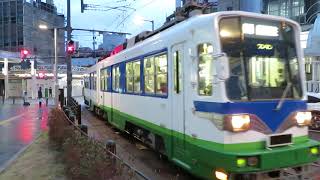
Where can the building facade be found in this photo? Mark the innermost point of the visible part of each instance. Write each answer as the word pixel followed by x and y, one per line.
pixel 302 11
pixel 111 40
pixel 19 27
pixel 240 5
pixel 307 13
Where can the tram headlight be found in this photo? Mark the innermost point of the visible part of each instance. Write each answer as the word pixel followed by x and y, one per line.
pixel 303 118
pixel 221 174
pixel 237 122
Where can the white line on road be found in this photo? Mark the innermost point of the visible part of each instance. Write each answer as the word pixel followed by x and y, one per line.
pixel 10 119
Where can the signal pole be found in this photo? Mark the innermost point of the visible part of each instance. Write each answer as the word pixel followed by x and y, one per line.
pixel 68 56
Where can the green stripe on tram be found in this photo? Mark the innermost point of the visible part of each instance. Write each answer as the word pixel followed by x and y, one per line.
pixel 200 156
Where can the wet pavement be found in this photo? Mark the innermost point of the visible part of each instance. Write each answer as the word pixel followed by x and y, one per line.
pixel 19 126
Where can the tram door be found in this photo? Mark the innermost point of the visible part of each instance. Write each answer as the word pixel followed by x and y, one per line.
pixel 178 102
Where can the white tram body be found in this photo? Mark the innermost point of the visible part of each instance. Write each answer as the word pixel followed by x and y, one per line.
pixel 187 123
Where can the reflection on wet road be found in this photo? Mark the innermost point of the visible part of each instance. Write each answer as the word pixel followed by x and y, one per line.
pixel 19 125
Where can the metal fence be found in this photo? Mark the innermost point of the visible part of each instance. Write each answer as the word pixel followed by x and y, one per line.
pixel 73 115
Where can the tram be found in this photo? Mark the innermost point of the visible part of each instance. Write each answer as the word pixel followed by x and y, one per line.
pixel 222 95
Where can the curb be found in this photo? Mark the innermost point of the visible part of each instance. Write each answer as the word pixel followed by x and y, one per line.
pixel 13 159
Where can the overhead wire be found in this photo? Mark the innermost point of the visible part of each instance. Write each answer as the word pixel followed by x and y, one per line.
pixel 127 17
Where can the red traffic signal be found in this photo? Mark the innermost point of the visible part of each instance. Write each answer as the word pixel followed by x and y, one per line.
pixel 41 75
pixel 70 48
pixel 24 53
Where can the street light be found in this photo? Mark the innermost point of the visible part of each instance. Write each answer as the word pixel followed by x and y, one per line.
pixel 138 20
pixel 56 85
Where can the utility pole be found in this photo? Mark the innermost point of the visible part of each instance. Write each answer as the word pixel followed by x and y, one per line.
pixel 94 43
pixel 68 56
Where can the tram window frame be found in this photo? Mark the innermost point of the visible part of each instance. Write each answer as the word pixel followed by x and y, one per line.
pixel 209 76
pixel 149 76
pixel 136 76
pixel 116 75
pixel 161 70
pixel 103 79
pixel 155 75
pixel 129 77
pixel 177 72
pixel 95 81
pixel 86 82
pixel 132 77
pixel 90 86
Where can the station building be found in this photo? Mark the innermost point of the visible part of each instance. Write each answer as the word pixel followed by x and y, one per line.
pixel 14 81
pixel 19 29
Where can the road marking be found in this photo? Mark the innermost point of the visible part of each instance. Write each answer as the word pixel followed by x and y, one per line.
pixel 10 119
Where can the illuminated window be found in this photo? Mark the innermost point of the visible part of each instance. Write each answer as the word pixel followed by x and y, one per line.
pixel 161 65
pixel 266 72
pixel 102 79
pixel 149 75
pixel 155 75
pixel 116 79
pixel 177 75
pixel 133 76
pixel 136 76
pixel 205 69
pixel 129 77
pixel 94 81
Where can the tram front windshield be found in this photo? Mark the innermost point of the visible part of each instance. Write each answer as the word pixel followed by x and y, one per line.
pixel 262 58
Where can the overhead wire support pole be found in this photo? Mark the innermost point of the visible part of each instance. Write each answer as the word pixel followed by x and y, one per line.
pixel 68 56
pixel 90 30
pixel 94 43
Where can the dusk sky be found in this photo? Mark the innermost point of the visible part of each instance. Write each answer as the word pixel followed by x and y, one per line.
pixel 156 10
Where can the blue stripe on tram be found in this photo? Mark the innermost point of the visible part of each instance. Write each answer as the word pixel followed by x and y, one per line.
pixel 264 110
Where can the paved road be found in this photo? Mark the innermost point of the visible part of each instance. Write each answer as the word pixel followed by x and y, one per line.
pixel 19 126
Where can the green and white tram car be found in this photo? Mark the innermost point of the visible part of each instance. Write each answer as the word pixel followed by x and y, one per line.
pixel 222 95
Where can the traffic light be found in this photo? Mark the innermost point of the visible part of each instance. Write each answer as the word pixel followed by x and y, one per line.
pixel 24 53
pixel 70 47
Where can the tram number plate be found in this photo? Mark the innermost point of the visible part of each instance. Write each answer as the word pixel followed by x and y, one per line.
pixel 279 140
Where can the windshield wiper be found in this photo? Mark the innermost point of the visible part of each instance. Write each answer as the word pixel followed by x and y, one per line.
pixel 284 95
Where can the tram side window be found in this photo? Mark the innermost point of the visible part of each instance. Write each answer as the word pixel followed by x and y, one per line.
pixel 161 65
pixel 177 72
pixel 86 82
pixel 133 77
pixel 136 76
pixel 95 81
pixel 155 74
pixel 90 81
pixel 149 75
pixel 103 77
pixel 129 77
pixel 116 78
pixel 205 69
